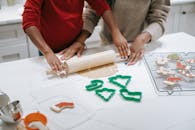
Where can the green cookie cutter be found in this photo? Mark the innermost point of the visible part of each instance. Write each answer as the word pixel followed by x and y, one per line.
pixel 111 91
pixel 95 84
pixel 131 96
pixel 113 80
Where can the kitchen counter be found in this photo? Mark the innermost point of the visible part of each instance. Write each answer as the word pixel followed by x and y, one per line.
pixel 12 14
pixel 176 2
pixel 27 81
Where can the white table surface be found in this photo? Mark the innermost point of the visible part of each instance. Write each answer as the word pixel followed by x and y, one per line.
pixel 26 81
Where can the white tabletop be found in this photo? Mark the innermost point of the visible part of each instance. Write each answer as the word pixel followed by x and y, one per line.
pixel 26 81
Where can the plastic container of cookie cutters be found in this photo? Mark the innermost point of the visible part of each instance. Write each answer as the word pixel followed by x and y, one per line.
pixel 34 117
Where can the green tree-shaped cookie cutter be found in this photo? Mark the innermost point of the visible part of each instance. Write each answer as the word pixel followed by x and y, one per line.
pixel 111 91
pixel 114 78
pixel 95 84
pixel 131 96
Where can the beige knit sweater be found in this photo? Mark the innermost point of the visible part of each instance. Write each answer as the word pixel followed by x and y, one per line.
pixel 132 17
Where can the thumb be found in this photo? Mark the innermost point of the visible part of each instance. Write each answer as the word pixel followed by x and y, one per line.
pixel 79 53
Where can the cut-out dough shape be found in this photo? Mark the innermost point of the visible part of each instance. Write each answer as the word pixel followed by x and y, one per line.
pixel 161 61
pixel 188 67
pixel 174 79
pixel 186 73
pixel 183 72
pixel 164 71
pixel 190 75
pixel 114 81
pixel 62 105
pixel 169 83
pixel 173 57
pixel 180 65
pixel 100 92
pixel 191 61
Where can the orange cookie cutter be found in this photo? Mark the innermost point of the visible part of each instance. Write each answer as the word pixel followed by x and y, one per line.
pixel 33 117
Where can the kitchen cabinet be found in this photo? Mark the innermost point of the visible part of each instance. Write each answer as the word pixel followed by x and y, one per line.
pixel 32 49
pixel 181 19
pixel 187 19
pixel 12 43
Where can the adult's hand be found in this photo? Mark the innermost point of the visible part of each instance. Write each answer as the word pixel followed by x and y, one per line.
pixel 137 47
pixel 137 51
pixel 75 48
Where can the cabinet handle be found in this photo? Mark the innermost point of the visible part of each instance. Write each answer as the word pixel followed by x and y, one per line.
pixel 183 12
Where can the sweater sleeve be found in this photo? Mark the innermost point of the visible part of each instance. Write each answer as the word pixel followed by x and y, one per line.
pixel 156 18
pixel 90 19
pixel 32 13
pixel 100 6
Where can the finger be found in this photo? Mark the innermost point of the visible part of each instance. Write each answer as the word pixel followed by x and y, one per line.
pixel 66 54
pixel 132 56
pixel 125 51
pixel 142 53
pixel 131 59
pixel 137 57
pixel 59 65
pixel 64 66
pixel 54 67
pixel 120 51
pixel 126 46
pixel 79 53
pixel 63 53
pixel 128 50
pixel 70 54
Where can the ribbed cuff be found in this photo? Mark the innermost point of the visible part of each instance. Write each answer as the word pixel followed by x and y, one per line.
pixel 155 30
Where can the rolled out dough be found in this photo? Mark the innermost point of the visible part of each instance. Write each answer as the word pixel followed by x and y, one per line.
pixel 100 71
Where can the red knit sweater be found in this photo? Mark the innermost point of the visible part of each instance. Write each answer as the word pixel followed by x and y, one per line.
pixel 59 21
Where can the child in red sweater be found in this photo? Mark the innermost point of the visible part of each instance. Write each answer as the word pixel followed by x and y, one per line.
pixel 54 25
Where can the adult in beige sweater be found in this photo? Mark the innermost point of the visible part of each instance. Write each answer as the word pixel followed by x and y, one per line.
pixel 140 22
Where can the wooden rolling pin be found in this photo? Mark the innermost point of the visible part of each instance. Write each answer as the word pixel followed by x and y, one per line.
pixel 86 62
pixel 76 64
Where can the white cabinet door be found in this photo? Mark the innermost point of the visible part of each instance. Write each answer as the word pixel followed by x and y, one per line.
pixel 15 52
pixel 173 20
pixel 33 51
pixel 187 19
pixel 181 19
pixel 12 43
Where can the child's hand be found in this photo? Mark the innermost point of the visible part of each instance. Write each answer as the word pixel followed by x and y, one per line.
pixel 121 44
pixel 75 48
pixel 54 62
